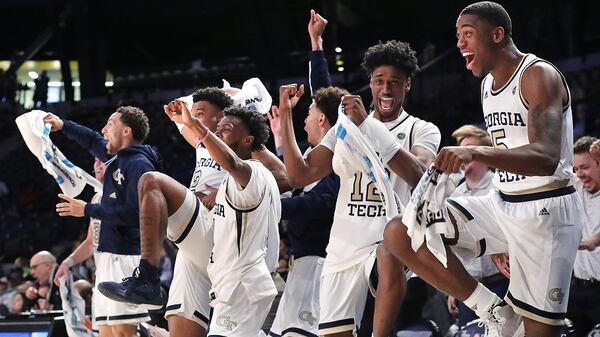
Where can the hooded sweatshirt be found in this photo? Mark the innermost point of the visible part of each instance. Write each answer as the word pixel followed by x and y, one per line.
pixel 119 207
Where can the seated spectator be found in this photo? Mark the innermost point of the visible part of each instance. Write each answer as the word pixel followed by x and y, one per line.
pixel 43 267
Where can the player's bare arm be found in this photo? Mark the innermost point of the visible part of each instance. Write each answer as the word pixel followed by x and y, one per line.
pixel 219 151
pixel 542 88
pixel 317 165
pixel 407 165
pixel 173 113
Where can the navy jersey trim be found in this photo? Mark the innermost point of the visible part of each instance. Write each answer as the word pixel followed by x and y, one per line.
pixel 512 77
pixel 334 324
pixel 534 310
pixel 400 122
pixel 461 209
pixel 537 196
pixel 190 224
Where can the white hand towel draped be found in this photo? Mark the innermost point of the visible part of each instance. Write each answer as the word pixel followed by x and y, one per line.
pixel 36 134
pixel 364 156
pixel 73 308
pixel 253 95
pixel 425 215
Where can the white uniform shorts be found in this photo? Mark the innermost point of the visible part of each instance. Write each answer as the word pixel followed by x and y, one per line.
pixel 343 296
pixel 115 267
pixel 240 318
pixel 298 311
pixel 540 231
pixel 190 229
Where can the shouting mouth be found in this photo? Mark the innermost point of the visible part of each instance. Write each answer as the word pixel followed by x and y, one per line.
pixel 386 104
pixel 469 57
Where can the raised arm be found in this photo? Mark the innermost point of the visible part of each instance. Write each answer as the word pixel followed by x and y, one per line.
pixel 178 121
pixel 219 151
pixel 543 89
pixel 87 138
pixel 318 68
pixel 317 165
pixel 277 168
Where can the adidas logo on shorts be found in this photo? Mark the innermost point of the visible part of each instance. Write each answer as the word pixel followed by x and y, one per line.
pixel 544 211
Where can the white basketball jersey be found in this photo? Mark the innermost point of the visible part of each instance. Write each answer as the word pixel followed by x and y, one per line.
pixel 207 171
pixel 506 117
pixel 95 223
pixel 241 218
pixel 409 131
pixel 359 218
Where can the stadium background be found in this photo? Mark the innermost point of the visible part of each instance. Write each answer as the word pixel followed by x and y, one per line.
pixel 147 52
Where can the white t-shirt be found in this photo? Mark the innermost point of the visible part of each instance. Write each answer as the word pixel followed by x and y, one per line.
pixel 241 218
pixel 359 219
pixel 410 131
pixel 506 117
pixel 206 172
pixel 587 264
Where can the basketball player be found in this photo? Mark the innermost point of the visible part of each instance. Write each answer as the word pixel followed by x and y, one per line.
pixel 309 213
pixel 118 246
pixel 240 224
pixel 535 213
pixel 477 181
pixel 584 301
pixel 88 248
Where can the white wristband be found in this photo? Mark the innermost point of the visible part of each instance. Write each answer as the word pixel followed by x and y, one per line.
pixel 179 126
pixel 69 262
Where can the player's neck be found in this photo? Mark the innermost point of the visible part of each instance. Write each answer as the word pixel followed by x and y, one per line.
pixel 507 63
pixel 474 179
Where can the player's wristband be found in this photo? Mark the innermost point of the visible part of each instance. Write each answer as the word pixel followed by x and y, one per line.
pixel 203 138
pixel 69 262
pixel 179 126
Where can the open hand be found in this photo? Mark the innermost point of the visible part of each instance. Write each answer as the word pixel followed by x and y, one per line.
pixel 70 206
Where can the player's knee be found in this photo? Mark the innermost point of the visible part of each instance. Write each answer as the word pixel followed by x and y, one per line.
pixel 395 237
pixel 148 181
pixel 388 265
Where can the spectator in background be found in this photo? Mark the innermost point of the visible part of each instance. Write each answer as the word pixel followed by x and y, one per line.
pixel 40 94
pixel 43 267
pixel 20 303
pixel 584 301
pixel 477 181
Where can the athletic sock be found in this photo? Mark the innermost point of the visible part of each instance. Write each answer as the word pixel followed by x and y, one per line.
pixel 148 271
pixel 481 300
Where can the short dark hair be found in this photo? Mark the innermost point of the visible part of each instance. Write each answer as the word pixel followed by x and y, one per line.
pixel 392 53
pixel 583 144
pixel 491 12
pixel 137 120
pixel 328 100
pixel 255 122
pixel 214 96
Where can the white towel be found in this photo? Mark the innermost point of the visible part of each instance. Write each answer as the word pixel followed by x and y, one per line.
pixel 70 178
pixel 364 157
pixel 253 95
pixel 425 216
pixel 73 308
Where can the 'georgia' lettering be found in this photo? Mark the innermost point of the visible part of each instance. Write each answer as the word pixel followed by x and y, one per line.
pixel 504 118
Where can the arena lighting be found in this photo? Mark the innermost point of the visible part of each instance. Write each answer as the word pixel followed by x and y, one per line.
pixel 338 49
pixel 76 84
pixel 30 84
pixel 55 84
pixel 33 75
pixel 340 68
pixel 109 83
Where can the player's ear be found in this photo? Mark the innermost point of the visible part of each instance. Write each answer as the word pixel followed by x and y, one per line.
pixel 498 34
pixel 248 140
pixel 407 84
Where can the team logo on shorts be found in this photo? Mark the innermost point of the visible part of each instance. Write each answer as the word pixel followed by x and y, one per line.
pixel 401 135
pixel 308 317
pixel 556 295
pixel 226 322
